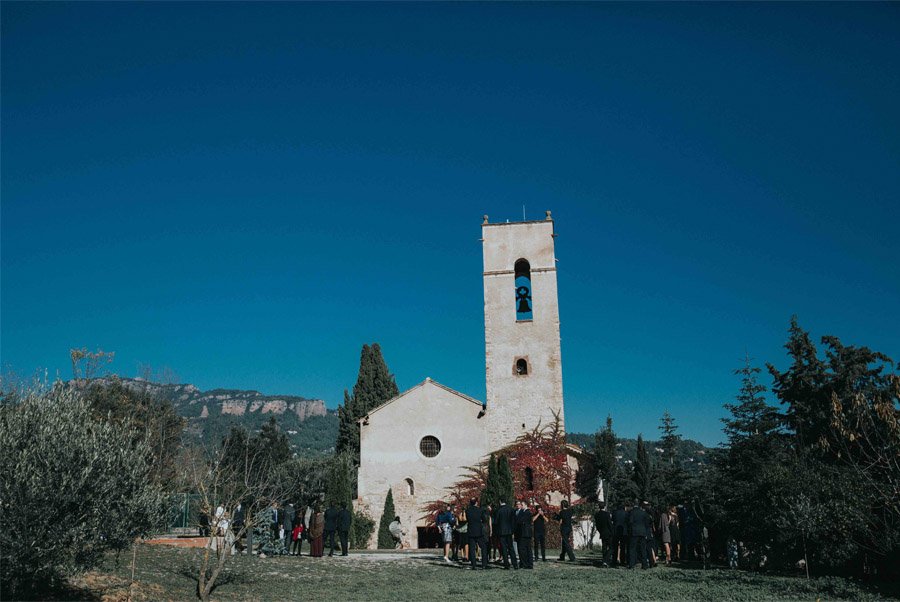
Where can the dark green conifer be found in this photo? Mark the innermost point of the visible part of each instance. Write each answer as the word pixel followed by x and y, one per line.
pixel 385 540
pixel 374 385
pixel 506 487
pixel 641 475
pixel 490 495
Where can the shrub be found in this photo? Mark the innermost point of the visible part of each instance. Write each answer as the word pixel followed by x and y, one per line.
pixel 361 530
pixel 73 487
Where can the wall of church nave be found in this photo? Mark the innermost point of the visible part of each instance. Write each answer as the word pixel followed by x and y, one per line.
pixel 394 456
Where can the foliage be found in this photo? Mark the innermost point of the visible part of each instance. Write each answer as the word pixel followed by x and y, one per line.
pixel 815 393
pixel 152 418
pixel 692 455
pixel 505 483
pixel 263 535
pixel 73 487
pixel 272 444
pixel 543 451
pixel 241 470
pixel 89 364
pixel 385 540
pixel 339 486
pixel 490 495
pixel 374 386
pixel 749 477
pixel 308 477
pixel 670 481
pixel 361 530
pixel 641 474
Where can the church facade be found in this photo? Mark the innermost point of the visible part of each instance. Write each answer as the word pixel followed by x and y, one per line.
pixel 418 444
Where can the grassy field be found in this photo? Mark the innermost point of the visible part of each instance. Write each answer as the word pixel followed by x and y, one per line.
pixel 166 573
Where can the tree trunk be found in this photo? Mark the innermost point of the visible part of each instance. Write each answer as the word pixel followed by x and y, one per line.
pixel 202 592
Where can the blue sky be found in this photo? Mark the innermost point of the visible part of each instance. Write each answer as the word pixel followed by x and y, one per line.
pixel 247 193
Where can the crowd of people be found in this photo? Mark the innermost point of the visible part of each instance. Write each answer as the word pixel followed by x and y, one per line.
pixel 638 533
pixel 287 529
pixel 513 536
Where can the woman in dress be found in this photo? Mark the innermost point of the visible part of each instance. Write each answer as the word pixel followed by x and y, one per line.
pixel 674 532
pixel 665 535
pixel 462 532
pixel 316 529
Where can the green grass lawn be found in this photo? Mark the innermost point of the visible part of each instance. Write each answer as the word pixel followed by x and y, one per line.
pixel 166 573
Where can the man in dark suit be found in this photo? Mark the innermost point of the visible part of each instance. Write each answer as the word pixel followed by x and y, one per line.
pixel 540 541
pixel 331 523
pixel 565 531
pixel 639 523
pixel 238 517
pixel 504 525
pixel 603 522
pixel 524 532
pixel 619 548
pixel 476 518
pixel 345 519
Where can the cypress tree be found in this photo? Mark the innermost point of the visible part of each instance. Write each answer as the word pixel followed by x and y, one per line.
pixel 339 490
pixel 605 457
pixel 385 540
pixel 506 487
pixel 641 475
pixel 490 494
pixel 374 385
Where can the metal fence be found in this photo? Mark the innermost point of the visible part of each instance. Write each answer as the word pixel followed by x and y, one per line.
pixel 184 512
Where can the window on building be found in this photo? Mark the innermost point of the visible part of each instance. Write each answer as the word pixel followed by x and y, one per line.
pixel 411 487
pixel 529 479
pixel 521 367
pixel 430 446
pixel 524 308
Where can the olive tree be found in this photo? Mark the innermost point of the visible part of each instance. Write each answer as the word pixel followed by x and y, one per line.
pixel 73 487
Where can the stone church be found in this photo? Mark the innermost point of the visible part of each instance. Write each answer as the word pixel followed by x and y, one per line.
pixel 418 443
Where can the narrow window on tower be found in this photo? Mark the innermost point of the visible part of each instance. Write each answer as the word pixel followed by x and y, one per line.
pixel 529 479
pixel 521 368
pixel 523 291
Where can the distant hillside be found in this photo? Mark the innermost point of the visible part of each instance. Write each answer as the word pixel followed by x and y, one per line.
pixel 695 455
pixel 311 428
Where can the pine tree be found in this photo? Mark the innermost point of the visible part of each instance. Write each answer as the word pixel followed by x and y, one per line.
pixel 801 388
pixel 385 539
pixel 271 443
pixel 491 493
pixel 506 487
pixel 751 416
pixel 670 438
pixel 670 480
pixel 374 386
pixel 641 475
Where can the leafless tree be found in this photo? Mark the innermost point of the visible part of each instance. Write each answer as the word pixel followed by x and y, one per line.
pixel 231 474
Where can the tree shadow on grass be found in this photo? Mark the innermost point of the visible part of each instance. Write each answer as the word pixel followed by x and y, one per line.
pixel 63 591
pixel 236 574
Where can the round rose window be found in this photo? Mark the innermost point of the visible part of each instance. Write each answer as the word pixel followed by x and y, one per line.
pixel 430 446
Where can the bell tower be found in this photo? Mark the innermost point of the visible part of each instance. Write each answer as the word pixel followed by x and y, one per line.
pixel 523 363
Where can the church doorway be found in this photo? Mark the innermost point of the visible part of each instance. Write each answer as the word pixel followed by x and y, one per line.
pixel 429 537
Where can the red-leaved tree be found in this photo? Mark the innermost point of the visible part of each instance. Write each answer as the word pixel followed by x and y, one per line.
pixel 541 473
